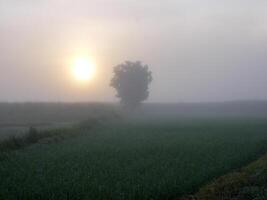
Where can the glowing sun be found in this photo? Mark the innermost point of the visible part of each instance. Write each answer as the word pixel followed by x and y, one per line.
pixel 83 69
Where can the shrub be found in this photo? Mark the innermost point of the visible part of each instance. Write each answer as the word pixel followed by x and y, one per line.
pixel 32 135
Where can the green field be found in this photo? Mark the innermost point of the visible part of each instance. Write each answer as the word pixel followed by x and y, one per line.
pixel 132 159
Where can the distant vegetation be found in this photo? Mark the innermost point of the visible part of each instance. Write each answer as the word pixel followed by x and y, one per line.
pixel 44 114
pixel 131 80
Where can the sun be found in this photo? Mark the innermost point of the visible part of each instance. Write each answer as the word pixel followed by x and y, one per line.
pixel 83 69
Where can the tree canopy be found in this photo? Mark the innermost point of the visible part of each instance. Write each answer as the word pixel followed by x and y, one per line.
pixel 131 80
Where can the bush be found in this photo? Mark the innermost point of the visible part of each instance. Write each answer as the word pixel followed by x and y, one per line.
pixel 32 135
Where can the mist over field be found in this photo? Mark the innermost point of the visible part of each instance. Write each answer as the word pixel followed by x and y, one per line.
pixel 45 113
pixel 133 100
pixel 158 151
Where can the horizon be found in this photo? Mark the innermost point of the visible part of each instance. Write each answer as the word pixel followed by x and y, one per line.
pixel 144 103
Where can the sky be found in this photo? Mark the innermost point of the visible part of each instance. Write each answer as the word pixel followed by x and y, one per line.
pixel 198 51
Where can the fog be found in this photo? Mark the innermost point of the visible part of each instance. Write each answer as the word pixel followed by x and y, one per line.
pixel 198 51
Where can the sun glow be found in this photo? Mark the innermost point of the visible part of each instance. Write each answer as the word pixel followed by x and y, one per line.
pixel 83 69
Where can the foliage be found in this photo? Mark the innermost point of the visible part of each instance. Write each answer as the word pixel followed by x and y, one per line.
pixel 131 80
pixel 133 160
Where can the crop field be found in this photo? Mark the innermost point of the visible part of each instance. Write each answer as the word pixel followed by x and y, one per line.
pixel 132 159
pixel 133 100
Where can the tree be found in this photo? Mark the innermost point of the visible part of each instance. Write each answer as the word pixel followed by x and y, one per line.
pixel 131 80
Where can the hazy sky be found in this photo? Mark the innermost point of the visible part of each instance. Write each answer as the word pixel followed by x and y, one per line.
pixel 204 50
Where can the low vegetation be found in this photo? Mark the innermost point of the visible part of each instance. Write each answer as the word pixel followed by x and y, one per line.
pixel 33 136
pixel 132 160
pixel 250 183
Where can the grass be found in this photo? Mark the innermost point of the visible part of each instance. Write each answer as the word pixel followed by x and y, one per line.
pixel 132 160
pixel 250 183
pixel 33 136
